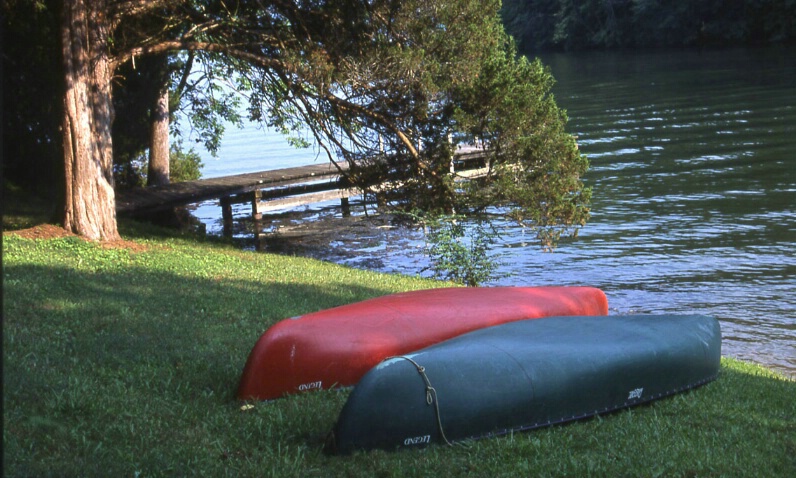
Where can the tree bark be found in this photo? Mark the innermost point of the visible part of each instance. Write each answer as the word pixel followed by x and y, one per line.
pixel 90 206
pixel 158 171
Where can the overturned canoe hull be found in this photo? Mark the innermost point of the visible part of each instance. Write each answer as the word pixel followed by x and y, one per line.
pixel 524 375
pixel 336 347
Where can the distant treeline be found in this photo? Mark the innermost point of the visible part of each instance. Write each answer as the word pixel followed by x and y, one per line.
pixel 540 25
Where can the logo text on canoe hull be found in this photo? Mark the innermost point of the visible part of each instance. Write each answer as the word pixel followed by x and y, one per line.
pixel 421 440
pixel 306 387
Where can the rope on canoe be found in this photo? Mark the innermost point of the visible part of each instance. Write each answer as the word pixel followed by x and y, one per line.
pixel 431 394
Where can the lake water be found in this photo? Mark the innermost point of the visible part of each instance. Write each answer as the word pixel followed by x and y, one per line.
pixel 694 204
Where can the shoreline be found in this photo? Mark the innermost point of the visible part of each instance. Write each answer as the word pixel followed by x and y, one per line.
pixel 375 243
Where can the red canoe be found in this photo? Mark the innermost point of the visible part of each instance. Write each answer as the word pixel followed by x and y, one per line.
pixel 336 347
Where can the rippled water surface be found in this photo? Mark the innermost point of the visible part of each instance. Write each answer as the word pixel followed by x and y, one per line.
pixel 694 181
pixel 694 203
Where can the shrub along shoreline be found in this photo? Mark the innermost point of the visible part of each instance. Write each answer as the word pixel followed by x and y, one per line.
pixel 123 360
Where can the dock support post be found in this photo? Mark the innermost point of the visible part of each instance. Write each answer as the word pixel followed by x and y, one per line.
pixel 453 153
pixel 226 215
pixel 257 217
pixel 344 204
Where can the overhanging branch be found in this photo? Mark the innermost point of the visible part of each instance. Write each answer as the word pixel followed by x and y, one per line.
pixel 177 45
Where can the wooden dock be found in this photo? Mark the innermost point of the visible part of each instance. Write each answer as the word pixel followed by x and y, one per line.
pixel 156 198
pixel 269 190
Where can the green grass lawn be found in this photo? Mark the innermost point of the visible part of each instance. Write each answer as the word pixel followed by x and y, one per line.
pixel 124 362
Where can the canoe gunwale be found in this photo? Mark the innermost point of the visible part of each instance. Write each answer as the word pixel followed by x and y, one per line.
pixel 585 416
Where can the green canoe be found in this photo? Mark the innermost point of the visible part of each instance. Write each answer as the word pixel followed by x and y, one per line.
pixel 524 375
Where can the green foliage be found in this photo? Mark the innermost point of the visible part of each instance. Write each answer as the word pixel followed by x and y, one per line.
pixel 384 86
pixel 184 166
pixel 120 362
pixel 202 95
pixel 536 169
pixel 600 24
pixel 459 251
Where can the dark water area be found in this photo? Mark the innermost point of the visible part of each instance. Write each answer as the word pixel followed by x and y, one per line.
pixel 694 196
pixel 694 179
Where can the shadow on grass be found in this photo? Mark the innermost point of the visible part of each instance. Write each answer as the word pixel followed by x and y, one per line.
pixel 159 350
pixel 133 316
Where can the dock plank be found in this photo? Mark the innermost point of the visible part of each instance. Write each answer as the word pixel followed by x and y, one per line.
pixel 188 192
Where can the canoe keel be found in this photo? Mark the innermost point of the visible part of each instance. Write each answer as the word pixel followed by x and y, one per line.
pixel 525 375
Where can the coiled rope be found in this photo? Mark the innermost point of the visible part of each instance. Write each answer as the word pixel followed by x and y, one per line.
pixel 431 393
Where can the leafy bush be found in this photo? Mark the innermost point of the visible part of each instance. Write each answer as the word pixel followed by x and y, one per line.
pixel 184 166
pixel 459 251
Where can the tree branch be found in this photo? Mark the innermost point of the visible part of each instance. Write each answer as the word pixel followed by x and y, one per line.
pixel 177 45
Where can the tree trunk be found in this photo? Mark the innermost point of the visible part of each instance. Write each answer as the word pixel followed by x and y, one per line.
pixel 158 173
pixel 90 203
